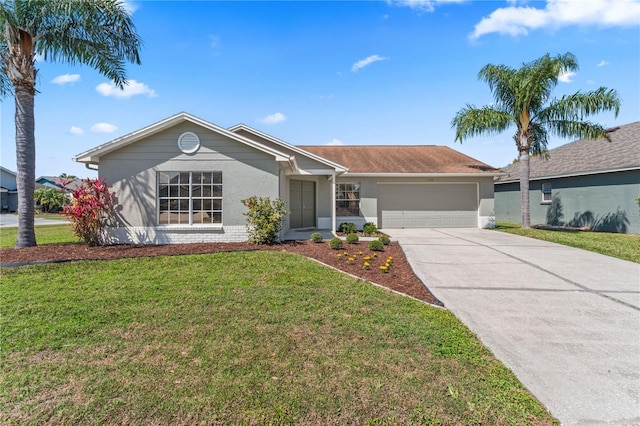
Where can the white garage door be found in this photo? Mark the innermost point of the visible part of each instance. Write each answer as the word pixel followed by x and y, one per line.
pixel 428 205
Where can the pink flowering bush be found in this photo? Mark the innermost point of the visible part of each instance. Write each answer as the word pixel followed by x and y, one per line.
pixel 90 209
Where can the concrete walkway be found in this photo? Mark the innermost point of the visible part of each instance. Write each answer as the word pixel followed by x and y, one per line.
pixel 566 321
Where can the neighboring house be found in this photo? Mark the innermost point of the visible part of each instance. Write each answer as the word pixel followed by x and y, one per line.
pixel 8 191
pixel 586 183
pixel 57 182
pixel 182 180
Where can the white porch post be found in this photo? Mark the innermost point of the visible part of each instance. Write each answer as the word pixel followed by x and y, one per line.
pixel 333 203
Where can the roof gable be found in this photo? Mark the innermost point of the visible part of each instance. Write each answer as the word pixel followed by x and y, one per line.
pixel 586 156
pixel 93 155
pixel 402 159
pixel 243 128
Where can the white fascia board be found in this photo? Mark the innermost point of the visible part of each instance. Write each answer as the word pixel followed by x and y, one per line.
pixel 93 155
pixel 422 175
pixel 566 175
pixel 338 168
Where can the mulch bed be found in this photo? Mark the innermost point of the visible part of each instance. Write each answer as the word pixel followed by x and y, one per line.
pixel 400 277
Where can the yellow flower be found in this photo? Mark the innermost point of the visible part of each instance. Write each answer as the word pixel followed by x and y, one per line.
pixel 366 265
pixel 367 258
pixel 360 253
pixel 384 268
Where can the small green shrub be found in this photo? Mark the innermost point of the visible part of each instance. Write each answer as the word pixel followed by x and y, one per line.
pixel 376 245
pixel 348 228
pixel 384 240
pixel 265 219
pixel 352 238
pixel 335 243
pixel 316 237
pixel 369 228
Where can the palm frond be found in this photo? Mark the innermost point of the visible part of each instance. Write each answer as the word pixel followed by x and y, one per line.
pixel 577 129
pixel 98 33
pixel 488 120
pixel 581 105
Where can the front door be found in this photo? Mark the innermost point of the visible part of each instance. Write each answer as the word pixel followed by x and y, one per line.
pixel 302 200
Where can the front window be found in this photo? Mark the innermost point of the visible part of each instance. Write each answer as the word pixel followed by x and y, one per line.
pixel 546 193
pixel 189 198
pixel 348 199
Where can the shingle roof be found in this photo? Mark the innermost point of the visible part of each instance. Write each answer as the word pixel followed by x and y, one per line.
pixel 400 159
pixel 586 156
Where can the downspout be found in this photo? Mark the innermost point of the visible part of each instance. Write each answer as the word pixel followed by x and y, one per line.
pixel 333 203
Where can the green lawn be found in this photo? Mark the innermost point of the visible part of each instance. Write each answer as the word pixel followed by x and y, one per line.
pixel 622 246
pixel 238 338
pixel 50 234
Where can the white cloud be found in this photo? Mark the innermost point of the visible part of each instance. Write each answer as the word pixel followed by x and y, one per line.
pixel 214 41
pixel 603 63
pixel 274 118
pixel 335 141
pixel 566 77
pixel 66 78
pixel 133 88
pixel 422 5
pixel 76 130
pixel 516 21
pixel 591 82
pixel 103 128
pixel 130 7
pixel 367 61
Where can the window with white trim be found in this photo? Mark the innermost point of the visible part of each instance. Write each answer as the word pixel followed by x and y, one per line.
pixel 546 193
pixel 189 198
pixel 348 199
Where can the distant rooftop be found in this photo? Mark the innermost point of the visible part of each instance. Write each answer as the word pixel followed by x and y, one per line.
pixel 586 156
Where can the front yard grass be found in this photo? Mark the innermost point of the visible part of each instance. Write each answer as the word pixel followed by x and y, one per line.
pixel 238 338
pixel 50 234
pixel 622 246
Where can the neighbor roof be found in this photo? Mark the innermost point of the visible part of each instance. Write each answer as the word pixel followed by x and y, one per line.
pixel 401 159
pixel 586 156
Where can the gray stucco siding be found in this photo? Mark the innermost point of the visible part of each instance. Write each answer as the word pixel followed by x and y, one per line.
pixel 132 171
pixel 604 201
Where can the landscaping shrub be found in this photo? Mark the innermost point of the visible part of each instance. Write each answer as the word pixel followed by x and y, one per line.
pixel 90 210
pixel 348 228
pixel 384 240
pixel 316 237
pixel 369 228
pixel 265 219
pixel 335 243
pixel 376 245
pixel 352 238
pixel 50 199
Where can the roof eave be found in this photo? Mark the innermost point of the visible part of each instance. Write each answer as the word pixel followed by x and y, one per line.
pixel 426 175
pixel 565 175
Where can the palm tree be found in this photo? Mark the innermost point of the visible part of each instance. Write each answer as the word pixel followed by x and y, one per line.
pixel 98 33
pixel 523 99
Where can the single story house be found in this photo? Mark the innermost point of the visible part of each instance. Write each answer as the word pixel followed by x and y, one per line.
pixel 8 190
pixel 585 183
pixel 182 180
pixel 57 182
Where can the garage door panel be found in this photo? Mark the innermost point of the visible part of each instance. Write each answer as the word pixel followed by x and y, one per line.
pixel 428 205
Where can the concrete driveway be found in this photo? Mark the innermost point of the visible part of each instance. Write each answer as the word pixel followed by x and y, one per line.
pixel 566 321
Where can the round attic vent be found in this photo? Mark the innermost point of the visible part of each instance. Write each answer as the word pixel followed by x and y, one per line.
pixel 188 142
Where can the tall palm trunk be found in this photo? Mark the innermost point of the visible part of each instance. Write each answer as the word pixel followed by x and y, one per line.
pixel 524 188
pixel 26 164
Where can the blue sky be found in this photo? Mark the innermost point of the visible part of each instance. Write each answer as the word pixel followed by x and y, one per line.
pixel 317 73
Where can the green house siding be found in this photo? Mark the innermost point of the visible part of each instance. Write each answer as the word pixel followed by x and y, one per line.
pixel 605 202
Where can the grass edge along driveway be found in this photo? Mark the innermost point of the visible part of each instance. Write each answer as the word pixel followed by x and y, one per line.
pixel 621 246
pixel 228 338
